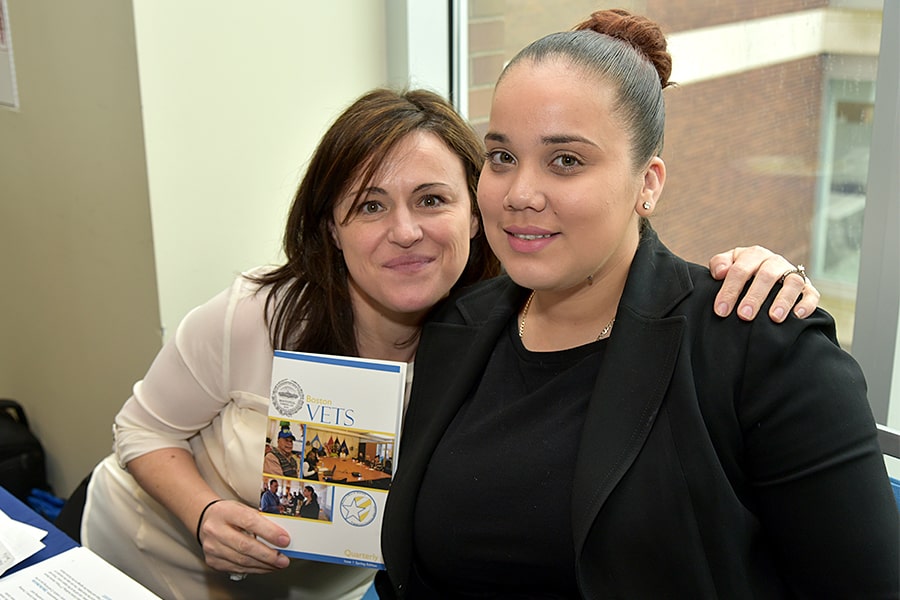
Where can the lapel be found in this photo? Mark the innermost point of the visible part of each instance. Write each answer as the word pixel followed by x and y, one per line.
pixel 632 380
pixel 442 380
pixel 442 371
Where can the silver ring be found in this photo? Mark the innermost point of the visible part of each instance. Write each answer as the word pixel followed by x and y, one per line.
pixel 237 576
pixel 798 270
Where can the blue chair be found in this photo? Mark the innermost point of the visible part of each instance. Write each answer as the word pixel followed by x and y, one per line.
pixel 371 594
pixel 889 440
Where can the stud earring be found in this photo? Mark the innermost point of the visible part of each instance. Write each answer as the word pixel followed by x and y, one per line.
pixel 646 205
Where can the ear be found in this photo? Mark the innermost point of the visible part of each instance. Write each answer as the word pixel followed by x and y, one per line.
pixel 654 180
pixel 473 226
pixel 332 229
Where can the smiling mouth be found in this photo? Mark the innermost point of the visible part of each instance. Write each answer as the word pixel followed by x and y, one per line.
pixel 407 263
pixel 529 236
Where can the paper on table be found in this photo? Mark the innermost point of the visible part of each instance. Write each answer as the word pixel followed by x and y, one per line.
pixel 18 541
pixel 76 574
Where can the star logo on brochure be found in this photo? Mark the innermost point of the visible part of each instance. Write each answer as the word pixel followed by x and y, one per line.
pixel 358 508
pixel 287 397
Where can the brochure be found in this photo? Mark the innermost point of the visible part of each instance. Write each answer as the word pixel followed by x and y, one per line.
pixel 333 428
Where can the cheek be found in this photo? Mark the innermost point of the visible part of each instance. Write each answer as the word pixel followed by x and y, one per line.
pixel 490 195
pixel 455 236
pixel 357 245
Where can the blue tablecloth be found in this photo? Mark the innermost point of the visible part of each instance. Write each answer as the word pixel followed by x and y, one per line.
pixel 55 541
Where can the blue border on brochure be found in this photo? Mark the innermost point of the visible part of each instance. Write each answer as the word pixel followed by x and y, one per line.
pixel 350 562
pixel 340 362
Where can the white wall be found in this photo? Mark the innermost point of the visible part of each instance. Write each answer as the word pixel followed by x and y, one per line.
pixel 235 97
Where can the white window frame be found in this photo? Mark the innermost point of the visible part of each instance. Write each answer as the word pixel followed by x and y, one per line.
pixel 419 44
pixel 875 332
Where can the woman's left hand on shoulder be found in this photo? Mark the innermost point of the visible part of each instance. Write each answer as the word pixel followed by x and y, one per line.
pixel 766 268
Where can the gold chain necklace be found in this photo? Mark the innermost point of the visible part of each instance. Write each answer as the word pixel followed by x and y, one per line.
pixel 603 332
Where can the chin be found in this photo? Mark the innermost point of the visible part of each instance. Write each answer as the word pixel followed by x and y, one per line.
pixel 415 304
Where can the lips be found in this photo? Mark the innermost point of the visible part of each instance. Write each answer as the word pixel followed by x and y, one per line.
pixel 409 262
pixel 528 239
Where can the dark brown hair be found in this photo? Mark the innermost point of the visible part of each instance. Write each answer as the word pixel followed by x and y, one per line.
pixel 629 52
pixel 308 305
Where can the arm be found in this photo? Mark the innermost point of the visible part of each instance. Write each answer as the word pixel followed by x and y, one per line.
pixel 183 392
pixel 820 486
pixel 229 528
pixel 739 265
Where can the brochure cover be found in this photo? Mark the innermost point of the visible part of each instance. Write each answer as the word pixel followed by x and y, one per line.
pixel 334 423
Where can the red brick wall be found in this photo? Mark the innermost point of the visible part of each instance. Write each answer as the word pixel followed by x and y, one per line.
pixel 681 15
pixel 741 153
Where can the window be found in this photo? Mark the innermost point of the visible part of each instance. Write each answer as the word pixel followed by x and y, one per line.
pixel 768 138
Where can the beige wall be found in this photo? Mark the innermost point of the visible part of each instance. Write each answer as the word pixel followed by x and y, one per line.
pixel 153 156
pixel 78 306
pixel 235 99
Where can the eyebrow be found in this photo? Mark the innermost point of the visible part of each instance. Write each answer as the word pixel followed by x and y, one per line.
pixel 547 140
pixel 422 186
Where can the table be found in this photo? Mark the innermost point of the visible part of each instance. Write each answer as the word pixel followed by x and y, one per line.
pixel 55 541
pixel 344 468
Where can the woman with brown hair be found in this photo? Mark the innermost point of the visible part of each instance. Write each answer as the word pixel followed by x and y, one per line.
pixel 383 226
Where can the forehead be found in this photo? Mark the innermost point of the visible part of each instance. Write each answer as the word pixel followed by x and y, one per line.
pixel 420 152
pixel 552 93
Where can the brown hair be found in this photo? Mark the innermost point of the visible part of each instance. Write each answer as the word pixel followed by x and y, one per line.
pixel 629 52
pixel 308 304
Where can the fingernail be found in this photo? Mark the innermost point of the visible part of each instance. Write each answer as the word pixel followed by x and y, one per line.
pixel 722 309
pixel 719 270
pixel 282 561
pixel 779 313
pixel 800 312
pixel 747 312
pixel 283 540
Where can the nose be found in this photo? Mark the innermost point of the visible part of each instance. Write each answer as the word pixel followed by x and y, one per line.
pixel 524 192
pixel 405 229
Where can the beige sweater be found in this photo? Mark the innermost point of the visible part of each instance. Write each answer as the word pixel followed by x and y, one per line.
pixel 207 392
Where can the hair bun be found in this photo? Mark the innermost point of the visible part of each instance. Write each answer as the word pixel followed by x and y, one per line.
pixel 642 33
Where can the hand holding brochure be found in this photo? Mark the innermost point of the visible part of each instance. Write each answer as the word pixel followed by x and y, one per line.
pixel 334 424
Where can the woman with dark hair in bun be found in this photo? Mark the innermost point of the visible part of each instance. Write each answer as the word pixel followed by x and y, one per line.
pixel 615 437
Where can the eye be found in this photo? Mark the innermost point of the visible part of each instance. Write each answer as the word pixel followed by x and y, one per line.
pixel 370 207
pixel 431 201
pixel 566 161
pixel 500 157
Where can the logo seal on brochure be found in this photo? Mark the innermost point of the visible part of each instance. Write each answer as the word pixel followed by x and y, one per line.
pixel 358 508
pixel 287 397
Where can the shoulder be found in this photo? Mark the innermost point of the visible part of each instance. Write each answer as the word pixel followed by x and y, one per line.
pixel 232 321
pixel 220 309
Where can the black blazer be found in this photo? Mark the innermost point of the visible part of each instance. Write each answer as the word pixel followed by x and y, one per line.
pixel 719 459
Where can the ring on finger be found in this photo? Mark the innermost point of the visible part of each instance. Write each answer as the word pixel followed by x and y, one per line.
pixel 798 270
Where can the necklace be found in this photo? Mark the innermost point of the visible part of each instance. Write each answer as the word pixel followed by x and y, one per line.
pixel 603 332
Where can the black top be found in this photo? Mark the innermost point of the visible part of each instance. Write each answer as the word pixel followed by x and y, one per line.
pixel 515 438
